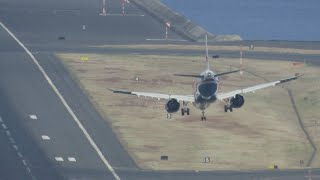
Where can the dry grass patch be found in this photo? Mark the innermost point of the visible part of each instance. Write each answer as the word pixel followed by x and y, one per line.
pixel 264 132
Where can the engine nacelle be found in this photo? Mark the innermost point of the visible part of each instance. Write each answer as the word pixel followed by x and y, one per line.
pixel 237 101
pixel 172 106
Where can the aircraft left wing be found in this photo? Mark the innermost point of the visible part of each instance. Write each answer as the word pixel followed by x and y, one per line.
pixel 223 96
pixel 186 98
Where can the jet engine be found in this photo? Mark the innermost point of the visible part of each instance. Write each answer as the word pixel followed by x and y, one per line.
pixel 172 106
pixel 237 101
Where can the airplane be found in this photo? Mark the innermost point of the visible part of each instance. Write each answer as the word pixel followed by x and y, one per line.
pixel 205 92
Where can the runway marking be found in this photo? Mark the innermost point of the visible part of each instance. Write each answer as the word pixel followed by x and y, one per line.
pixel 19 154
pixel 45 137
pixel 72 159
pixel 12 141
pixel 15 147
pixel 32 116
pixel 4 126
pixel 8 133
pixel 59 159
pixel 28 169
pixel 75 118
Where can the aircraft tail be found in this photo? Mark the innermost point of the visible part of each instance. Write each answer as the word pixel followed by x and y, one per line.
pixel 207 62
pixel 207 54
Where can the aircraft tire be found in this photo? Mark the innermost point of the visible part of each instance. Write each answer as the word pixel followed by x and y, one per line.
pixel 182 112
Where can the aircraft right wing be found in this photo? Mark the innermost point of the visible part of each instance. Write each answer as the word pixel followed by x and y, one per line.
pixel 223 96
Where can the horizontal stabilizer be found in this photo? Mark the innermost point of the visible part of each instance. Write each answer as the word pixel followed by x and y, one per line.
pixel 224 73
pixel 190 75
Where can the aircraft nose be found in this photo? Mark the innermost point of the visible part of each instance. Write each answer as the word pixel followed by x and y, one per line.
pixel 208 89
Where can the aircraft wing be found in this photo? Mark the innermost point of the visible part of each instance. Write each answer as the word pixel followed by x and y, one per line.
pixel 222 96
pixel 186 98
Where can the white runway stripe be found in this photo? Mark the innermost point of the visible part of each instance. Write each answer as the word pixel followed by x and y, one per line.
pixel 59 159
pixel 75 118
pixel 15 147
pixel 32 116
pixel 45 137
pixel 72 159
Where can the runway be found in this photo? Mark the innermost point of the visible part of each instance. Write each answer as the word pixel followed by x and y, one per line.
pixel 42 113
pixel 55 127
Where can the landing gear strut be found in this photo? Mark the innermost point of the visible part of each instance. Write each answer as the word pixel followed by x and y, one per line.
pixel 203 117
pixel 228 106
pixel 185 109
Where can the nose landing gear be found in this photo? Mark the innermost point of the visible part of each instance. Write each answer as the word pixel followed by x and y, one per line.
pixel 203 117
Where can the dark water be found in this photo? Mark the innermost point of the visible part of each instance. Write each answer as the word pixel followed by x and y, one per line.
pixel 255 19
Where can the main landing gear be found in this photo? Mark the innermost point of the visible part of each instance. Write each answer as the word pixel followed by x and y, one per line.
pixel 203 117
pixel 228 106
pixel 185 109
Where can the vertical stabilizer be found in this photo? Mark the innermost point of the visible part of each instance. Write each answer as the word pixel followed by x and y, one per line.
pixel 207 53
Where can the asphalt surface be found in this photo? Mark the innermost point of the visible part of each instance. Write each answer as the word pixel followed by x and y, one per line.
pixel 24 91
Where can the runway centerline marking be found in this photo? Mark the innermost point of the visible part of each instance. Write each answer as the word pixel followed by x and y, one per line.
pixel 24 162
pixel 19 154
pixel 8 133
pixel 15 147
pixel 75 118
pixel 12 141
